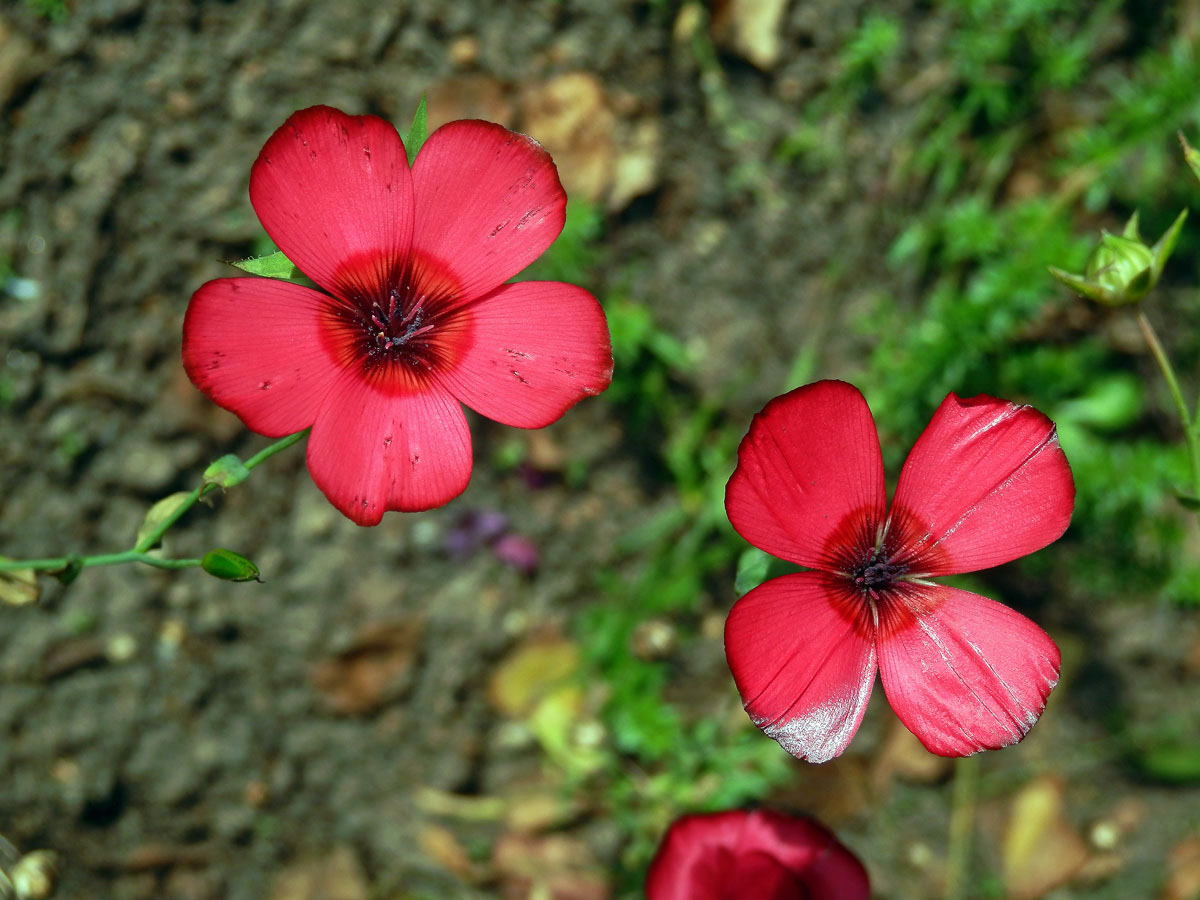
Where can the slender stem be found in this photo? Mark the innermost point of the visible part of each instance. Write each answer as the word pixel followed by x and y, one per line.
pixel 138 554
pixel 962 827
pixel 1185 418
pixel 282 444
pixel 153 537
pixel 55 563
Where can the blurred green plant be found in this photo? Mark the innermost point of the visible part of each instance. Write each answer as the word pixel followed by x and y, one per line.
pixel 870 49
pixel 990 321
pixel 657 760
pixel 54 10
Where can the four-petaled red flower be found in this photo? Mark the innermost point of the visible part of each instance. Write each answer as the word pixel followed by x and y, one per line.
pixel 985 483
pixel 413 315
pixel 759 855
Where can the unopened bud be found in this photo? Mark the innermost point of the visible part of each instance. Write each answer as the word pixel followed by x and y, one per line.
pixel 1122 269
pixel 222 563
pixel 226 471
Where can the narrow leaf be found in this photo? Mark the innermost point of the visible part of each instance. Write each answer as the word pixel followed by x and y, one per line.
pixel 273 265
pixel 1081 285
pixel 417 133
pixel 752 569
pixel 1173 762
pixel 1190 155
pixel 159 513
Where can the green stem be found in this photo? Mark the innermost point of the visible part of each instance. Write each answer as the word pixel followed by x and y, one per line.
pixel 139 552
pixel 1181 407
pixel 282 444
pixel 962 827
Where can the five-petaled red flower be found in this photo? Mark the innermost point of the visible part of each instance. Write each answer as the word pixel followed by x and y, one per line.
pixel 985 483
pixel 760 855
pixel 413 315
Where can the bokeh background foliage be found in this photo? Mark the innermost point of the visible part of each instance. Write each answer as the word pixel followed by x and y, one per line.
pixel 762 195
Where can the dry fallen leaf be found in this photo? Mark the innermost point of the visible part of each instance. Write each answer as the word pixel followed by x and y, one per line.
pixel 441 846
pixel 1183 871
pixel 570 116
pixel 468 97
pixel 537 808
pixel 553 867
pixel 336 876
pixel 636 170
pixel 529 672
pixel 751 28
pixel 1042 849
pixel 19 587
pixel 903 756
pixel 375 670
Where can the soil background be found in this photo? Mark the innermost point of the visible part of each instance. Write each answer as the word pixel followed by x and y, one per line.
pixel 178 737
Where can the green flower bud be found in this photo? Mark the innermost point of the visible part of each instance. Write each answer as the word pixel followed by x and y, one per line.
pixel 222 563
pixel 226 471
pixel 1122 269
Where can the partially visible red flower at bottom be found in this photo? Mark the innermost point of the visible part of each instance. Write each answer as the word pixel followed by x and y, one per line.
pixel 758 855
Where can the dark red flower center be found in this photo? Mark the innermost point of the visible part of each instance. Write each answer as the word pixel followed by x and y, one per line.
pixel 396 328
pixel 395 325
pixel 875 570
pixel 878 570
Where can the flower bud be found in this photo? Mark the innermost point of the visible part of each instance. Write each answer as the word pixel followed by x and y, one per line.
pixel 1122 269
pixel 222 563
pixel 226 471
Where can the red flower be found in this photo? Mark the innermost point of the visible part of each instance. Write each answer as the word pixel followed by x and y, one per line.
pixel 414 315
pixel 761 855
pixel 985 483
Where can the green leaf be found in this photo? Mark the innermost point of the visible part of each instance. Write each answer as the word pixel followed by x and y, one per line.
pixel 227 471
pixel 1111 402
pixel 752 569
pixel 1171 761
pixel 160 512
pixel 1188 502
pixel 1190 155
pixel 417 133
pixel 273 265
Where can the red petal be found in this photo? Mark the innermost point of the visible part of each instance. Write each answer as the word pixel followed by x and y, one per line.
pixel 536 348
pixel 809 477
pixel 376 447
pixel 334 191
pixel 694 856
pixel 488 201
pixel 969 674
pixel 810 851
pixel 985 483
pixel 771 879
pixel 785 858
pixel 254 346
pixel 804 662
